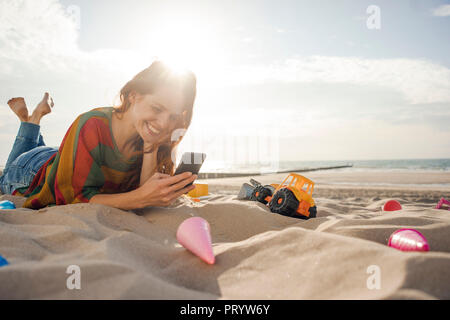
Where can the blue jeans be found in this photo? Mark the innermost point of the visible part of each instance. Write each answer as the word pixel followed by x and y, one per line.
pixel 28 154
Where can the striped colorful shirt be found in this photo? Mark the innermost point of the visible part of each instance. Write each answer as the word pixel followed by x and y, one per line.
pixel 88 162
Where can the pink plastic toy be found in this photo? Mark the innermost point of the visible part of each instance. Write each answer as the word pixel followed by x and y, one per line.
pixel 392 205
pixel 408 240
pixel 194 234
pixel 441 202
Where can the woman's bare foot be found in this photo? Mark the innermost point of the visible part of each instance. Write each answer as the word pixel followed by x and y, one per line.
pixel 19 107
pixel 43 107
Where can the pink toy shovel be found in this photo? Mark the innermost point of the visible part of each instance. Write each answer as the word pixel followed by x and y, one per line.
pixel 408 240
pixel 194 234
pixel 441 202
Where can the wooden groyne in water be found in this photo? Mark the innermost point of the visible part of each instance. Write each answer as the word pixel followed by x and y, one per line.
pixel 214 175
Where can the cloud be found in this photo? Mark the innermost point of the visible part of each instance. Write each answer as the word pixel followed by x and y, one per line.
pixel 419 81
pixel 40 52
pixel 247 39
pixel 38 34
pixel 39 37
pixel 371 139
pixel 441 11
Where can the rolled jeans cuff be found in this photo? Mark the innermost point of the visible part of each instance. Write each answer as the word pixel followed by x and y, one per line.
pixel 29 130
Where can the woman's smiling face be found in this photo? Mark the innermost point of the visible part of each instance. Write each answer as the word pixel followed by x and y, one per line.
pixel 156 115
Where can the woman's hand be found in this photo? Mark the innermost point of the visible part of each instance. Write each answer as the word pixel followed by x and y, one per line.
pixel 162 190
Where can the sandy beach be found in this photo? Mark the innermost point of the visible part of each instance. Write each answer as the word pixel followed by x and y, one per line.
pixel 259 254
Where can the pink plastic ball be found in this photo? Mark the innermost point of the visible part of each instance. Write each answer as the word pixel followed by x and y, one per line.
pixel 408 240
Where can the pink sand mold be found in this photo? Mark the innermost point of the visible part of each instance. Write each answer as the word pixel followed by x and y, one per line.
pixel 408 240
pixel 194 234
pixel 392 205
pixel 442 202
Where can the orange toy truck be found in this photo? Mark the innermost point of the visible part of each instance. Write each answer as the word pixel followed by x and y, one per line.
pixel 293 197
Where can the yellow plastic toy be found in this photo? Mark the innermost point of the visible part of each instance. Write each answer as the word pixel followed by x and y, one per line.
pixel 201 189
pixel 293 197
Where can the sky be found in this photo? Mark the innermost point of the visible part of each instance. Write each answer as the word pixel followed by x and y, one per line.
pixel 287 80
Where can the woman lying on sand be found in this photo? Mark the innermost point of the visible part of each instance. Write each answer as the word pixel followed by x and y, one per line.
pixel 118 156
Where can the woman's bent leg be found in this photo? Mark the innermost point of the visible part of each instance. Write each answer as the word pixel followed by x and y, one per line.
pixel 22 170
pixel 27 138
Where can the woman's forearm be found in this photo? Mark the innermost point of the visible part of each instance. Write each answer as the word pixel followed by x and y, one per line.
pixel 148 166
pixel 125 201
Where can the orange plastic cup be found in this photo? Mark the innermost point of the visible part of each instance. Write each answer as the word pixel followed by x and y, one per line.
pixel 201 189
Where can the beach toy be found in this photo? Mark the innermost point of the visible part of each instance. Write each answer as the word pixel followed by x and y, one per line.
pixel 292 198
pixel 392 205
pixel 442 202
pixel 246 192
pixel 201 189
pixel 194 234
pixel 6 204
pixel 201 198
pixel 3 262
pixel 408 240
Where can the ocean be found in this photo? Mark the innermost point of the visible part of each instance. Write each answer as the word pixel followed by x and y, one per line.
pixel 357 165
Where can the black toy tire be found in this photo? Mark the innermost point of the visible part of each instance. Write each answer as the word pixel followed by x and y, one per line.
pixel 313 212
pixel 260 193
pixel 288 206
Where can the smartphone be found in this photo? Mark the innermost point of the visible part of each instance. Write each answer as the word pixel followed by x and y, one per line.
pixel 190 162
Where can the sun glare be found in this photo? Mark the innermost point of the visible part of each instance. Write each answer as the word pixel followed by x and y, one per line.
pixel 187 44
